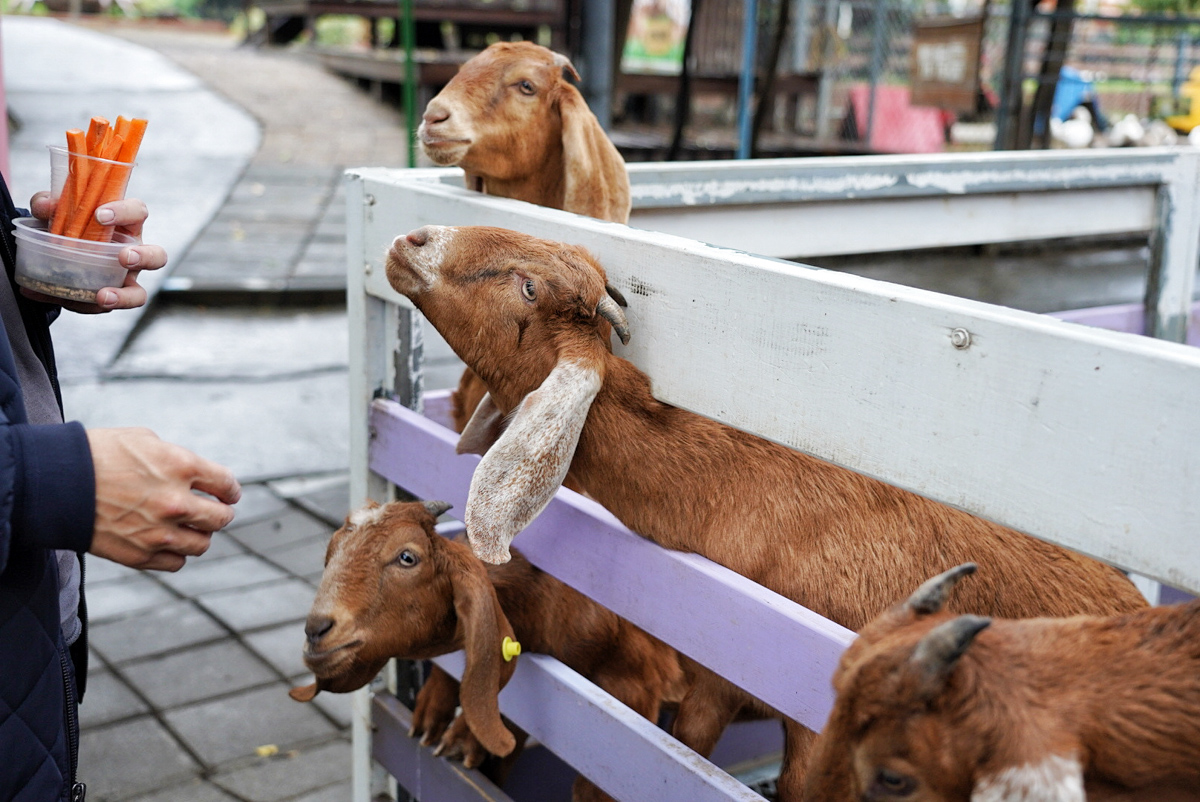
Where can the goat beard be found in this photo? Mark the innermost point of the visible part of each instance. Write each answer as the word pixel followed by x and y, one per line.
pixel 354 676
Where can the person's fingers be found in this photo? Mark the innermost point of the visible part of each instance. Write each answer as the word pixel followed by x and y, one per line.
pixel 200 513
pixel 216 480
pixel 130 296
pixel 143 257
pixel 129 213
pixel 42 206
pixel 185 540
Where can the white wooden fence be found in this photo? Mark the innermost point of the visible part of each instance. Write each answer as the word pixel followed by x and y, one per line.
pixel 1083 437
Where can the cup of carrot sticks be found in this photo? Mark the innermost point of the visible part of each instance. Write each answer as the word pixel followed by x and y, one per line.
pixel 73 256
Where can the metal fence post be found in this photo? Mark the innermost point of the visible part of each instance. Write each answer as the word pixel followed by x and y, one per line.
pixel 877 42
pixel 1008 116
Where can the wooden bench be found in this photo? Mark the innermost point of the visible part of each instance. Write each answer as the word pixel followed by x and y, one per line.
pixel 1080 436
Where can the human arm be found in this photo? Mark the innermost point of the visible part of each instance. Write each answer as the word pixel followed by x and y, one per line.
pixel 128 217
pixel 121 494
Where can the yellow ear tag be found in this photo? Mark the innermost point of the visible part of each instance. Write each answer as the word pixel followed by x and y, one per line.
pixel 509 648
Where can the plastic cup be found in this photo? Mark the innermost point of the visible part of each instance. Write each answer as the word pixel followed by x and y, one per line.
pixel 63 161
pixel 64 267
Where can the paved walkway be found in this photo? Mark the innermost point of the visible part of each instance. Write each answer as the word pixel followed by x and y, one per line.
pixel 241 168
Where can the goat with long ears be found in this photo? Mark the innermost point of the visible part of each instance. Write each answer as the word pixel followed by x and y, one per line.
pixel 448 603
pixel 534 319
pixel 519 130
pixel 937 706
pixel 393 587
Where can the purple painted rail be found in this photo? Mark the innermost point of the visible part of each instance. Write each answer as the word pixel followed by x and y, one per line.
pixel 1126 317
pixel 426 777
pixel 711 614
pixel 626 755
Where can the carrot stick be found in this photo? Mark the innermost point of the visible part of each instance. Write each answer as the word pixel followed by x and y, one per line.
pixel 122 126
pixel 117 176
pixel 96 130
pixel 85 210
pixel 77 175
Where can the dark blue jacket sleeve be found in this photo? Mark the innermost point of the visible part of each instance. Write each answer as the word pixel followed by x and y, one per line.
pixel 47 488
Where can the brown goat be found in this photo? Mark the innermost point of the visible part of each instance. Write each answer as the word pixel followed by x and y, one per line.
pixel 518 130
pixel 937 707
pixel 533 318
pixel 393 587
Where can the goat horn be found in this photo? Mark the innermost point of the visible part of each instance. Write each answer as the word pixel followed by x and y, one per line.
pixel 436 508
pixel 612 313
pixel 563 62
pixel 932 595
pixel 616 295
pixel 938 652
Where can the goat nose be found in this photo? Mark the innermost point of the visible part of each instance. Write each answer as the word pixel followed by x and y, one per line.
pixel 418 237
pixel 435 113
pixel 316 627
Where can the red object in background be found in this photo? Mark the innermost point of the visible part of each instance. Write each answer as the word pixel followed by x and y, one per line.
pixel 898 126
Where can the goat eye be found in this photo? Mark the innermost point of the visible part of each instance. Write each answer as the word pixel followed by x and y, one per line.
pixel 891 783
pixel 408 559
pixel 526 88
pixel 527 289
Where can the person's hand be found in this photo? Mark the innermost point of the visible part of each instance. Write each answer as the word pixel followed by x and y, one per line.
pixel 127 216
pixel 146 513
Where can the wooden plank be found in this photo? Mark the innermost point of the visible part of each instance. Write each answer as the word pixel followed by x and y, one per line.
pixel 424 776
pixel 706 611
pixel 1079 436
pixel 627 756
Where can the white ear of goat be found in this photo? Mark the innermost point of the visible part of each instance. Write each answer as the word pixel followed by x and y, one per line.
pixel 520 473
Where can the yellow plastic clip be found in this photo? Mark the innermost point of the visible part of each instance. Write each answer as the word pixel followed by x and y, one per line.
pixel 509 648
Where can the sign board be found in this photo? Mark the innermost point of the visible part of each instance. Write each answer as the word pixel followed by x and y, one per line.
pixel 654 43
pixel 945 63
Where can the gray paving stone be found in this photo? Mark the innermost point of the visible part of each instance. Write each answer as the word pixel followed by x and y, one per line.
pixel 232 572
pixel 194 791
pixel 233 727
pixel 338 792
pixel 331 502
pixel 199 673
pixel 282 647
pixel 261 606
pixel 336 705
pixel 112 600
pixel 290 526
pixel 257 502
pixel 288 774
pixel 303 559
pixel 132 757
pixel 108 699
pixel 219 547
pixel 99 570
pixel 164 628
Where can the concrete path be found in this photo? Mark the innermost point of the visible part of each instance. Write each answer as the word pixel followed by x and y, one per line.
pixel 242 357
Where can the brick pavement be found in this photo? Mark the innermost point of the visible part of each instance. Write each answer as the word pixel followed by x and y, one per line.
pixel 190 671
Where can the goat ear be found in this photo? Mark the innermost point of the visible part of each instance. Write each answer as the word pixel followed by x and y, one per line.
pixel 932 595
pixel 594 177
pixel 936 654
pixel 518 476
pixel 483 626
pixel 483 429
